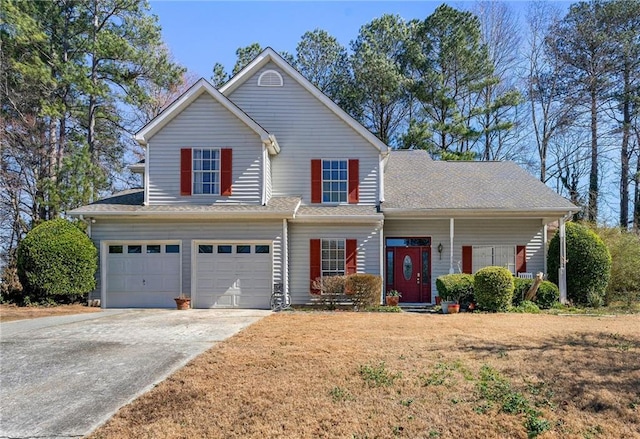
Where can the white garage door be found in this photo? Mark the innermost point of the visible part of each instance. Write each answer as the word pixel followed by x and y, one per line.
pixel 142 275
pixel 233 275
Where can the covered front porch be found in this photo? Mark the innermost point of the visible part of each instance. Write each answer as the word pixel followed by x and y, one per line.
pixel 418 250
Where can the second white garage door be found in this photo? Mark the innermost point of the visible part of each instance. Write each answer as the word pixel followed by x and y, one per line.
pixel 232 275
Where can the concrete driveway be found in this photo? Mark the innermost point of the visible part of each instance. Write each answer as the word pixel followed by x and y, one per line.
pixel 64 376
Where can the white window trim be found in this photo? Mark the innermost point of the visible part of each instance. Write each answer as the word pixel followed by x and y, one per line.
pixel 270 72
pixel 218 171
pixel 344 261
pixel 346 198
pixel 510 265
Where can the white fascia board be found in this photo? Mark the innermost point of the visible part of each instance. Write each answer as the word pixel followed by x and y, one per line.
pixel 366 219
pixel 194 92
pixel 270 55
pixel 473 213
pixel 185 215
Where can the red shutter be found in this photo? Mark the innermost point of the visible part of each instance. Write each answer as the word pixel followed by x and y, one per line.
pixel 185 171
pixel 351 256
pixel 226 171
pixel 521 259
pixel 354 181
pixel 314 262
pixel 467 259
pixel 316 181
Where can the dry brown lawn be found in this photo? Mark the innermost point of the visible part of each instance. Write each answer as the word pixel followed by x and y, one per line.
pixel 358 375
pixel 12 312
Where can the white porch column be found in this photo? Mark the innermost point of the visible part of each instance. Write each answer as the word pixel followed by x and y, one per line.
pixel 545 247
pixel 451 233
pixel 562 271
pixel 285 257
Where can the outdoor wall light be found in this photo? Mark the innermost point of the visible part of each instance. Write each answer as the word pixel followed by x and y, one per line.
pixel 440 250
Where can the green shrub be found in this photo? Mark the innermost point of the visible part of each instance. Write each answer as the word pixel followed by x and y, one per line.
pixel 57 262
pixel 456 287
pixel 624 247
pixel 526 306
pixel 493 288
pixel 546 296
pixel 364 289
pixel 520 288
pixel 588 264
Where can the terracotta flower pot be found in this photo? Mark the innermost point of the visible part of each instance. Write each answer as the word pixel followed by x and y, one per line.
pixel 392 300
pixel 183 304
pixel 454 308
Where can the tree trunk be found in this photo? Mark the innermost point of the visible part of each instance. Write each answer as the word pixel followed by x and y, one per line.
pixel 636 198
pixel 593 174
pixel 624 151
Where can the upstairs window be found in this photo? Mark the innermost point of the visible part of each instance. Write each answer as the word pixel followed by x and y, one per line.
pixel 270 78
pixel 334 181
pixel 206 171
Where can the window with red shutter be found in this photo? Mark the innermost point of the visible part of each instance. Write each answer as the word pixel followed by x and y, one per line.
pixel 467 259
pixel 354 181
pixel 314 263
pixel 185 171
pixel 316 181
pixel 226 171
pixel 521 259
pixel 351 256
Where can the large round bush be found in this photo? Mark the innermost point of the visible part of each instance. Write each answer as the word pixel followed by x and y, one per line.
pixel 493 288
pixel 588 264
pixel 57 262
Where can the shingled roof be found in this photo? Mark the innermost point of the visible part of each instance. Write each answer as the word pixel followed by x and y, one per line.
pixel 414 181
pixel 130 202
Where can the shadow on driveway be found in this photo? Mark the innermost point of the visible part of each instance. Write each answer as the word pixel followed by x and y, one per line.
pixel 64 376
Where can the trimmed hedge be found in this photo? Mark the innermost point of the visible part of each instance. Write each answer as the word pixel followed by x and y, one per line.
pixel 547 295
pixel 493 288
pixel 588 264
pixel 364 289
pixel 57 262
pixel 457 287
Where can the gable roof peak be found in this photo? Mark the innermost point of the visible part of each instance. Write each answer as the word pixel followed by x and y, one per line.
pixel 270 55
pixel 200 87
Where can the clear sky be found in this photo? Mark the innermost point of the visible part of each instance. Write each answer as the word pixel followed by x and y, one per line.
pixel 199 33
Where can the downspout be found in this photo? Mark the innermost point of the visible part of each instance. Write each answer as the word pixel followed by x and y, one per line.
pixel 265 156
pixel 381 178
pixel 145 178
pixel 451 234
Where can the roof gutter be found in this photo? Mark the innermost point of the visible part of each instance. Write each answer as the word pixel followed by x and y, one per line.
pixel 192 215
pixel 473 213
pixel 352 219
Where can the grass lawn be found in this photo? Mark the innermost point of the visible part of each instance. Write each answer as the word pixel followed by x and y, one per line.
pixel 12 312
pixel 359 375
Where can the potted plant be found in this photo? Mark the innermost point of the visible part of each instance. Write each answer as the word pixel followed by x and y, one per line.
pixel 393 297
pixel 183 302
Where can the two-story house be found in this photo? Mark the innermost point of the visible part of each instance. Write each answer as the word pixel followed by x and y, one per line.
pixel 266 183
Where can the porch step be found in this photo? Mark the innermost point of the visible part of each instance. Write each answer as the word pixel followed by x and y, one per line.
pixel 419 307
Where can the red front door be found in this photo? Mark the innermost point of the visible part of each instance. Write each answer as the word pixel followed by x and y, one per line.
pixel 412 274
pixel 407 273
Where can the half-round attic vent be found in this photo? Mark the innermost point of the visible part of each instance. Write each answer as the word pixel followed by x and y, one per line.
pixel 270 78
